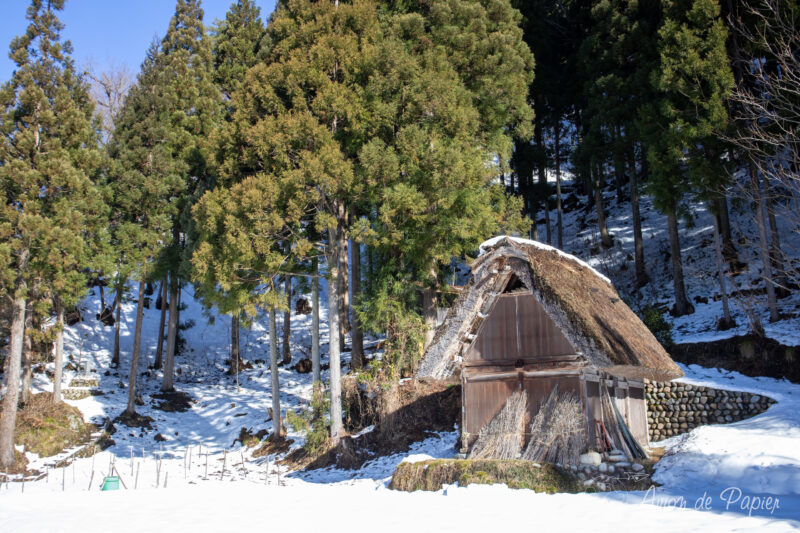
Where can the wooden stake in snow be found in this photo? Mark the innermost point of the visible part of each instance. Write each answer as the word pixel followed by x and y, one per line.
pixel 224 458
pixel 136 481
pixel 91 478
pixel 206 474
pixel 63 478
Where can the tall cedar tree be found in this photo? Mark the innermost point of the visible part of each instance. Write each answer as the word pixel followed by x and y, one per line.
pixel 146 177
pixel 239 44
pixel 410 115
pixel 449 95
pixel 185 68
pixel 693 80
pixel 50 153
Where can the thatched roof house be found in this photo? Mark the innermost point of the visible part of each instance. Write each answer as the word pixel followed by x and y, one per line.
pixel 580 301
pixel 532 317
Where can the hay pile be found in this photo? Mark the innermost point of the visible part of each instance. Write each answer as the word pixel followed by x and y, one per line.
pixel 502 437
pixel 558 433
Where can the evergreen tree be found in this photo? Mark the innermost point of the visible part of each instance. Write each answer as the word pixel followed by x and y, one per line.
pixel 146 177
pixel 413 115
pixel 193 105
pixel 693 81
pixel 239 44
pixel 50 154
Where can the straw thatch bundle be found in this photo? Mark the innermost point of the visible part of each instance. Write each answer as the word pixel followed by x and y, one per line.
pixel 502 437
pixel 558 431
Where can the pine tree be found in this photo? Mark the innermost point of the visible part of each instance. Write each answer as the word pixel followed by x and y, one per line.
pixel 50 155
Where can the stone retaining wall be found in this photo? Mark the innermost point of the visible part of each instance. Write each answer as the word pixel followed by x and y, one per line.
pixel 674 408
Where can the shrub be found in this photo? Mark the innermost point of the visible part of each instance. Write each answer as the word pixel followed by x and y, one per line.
pixel 313 424
pixel 657 324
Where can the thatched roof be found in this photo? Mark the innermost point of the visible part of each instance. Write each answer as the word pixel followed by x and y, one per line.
pixel 582 302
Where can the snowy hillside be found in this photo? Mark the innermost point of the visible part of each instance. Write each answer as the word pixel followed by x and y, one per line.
pixel 581 238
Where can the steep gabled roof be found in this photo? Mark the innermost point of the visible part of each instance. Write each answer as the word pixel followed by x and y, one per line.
pixel 582 302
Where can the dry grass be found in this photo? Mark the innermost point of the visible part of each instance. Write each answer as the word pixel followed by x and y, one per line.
pixel 502 437
pixel 434 474
pixel 558 432
pixel 273 446
pixel 47 428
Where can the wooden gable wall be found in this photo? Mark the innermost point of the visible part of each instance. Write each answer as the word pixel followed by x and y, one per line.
pixel 517 328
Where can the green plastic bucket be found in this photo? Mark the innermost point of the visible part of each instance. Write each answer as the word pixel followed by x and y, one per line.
pixel 111 483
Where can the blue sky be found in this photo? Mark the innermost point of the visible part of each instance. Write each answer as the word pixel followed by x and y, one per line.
pixel 107 32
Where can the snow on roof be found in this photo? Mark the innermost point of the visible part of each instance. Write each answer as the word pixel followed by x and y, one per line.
pixel 494 240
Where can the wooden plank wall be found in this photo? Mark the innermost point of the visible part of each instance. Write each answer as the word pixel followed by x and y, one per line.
pixel 517 328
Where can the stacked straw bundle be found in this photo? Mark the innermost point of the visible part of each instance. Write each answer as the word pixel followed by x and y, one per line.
pixel 502 437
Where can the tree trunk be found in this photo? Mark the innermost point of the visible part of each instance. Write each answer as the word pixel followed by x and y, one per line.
pixel 172 333
pixel 102 295
pixel 27 362
pixel 287 322
pixel 315 363
pixel 8 417
pixel 162 319
pixel 429 304
pixel 619 171
pixel 772 300
pixel 343 291
pixel 357 355
pixel 638 242
pixel 728 248
pixel 605 237
pixel 542 168
pixel 682 304
pixel 236 356
pixel 277 430
pixel 117 326
pixel 776 252
pixel 137 343
pixel 727 320
pixel 59 349
pixel 333 327
pixel 177 318
pixel 559 209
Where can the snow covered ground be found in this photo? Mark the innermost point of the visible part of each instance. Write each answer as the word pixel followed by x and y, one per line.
pixel 744 476
pixel 737 477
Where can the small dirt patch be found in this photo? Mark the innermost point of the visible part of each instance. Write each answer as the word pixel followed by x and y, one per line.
pixel 135 420
pixel 273 446
pixel 173 402
pixel 248 438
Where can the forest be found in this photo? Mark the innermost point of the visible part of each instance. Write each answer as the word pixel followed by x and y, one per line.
pixel 346 159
